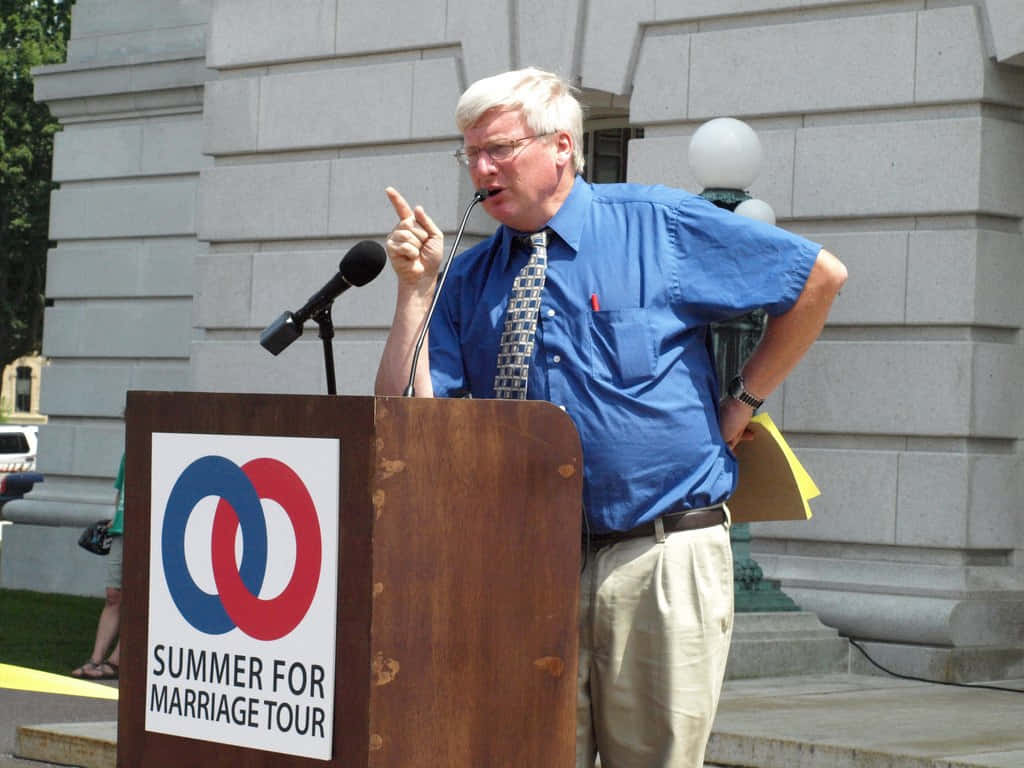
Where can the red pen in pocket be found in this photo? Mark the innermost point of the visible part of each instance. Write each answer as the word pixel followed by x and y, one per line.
pixel 595 304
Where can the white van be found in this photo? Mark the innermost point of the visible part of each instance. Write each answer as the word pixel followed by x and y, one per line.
pixel 18 448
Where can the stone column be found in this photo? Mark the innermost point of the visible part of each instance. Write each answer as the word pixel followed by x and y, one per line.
pixel 119 280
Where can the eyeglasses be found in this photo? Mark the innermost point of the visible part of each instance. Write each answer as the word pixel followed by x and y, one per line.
pixel 498 151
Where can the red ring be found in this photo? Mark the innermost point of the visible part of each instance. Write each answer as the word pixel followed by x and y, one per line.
pixel 274 618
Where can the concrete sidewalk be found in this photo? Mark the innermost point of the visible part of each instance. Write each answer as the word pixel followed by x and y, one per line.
pixel 841 721
pixel 19 710
pixel 828 721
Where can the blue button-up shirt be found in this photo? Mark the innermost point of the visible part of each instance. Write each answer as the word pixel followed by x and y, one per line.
pixel 635 375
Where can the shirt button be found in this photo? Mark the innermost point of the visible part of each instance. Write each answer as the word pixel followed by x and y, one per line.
pixel 551 313
pixel 562 407
pixel 557 358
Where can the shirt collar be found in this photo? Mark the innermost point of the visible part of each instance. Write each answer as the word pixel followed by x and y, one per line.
pixel 567 223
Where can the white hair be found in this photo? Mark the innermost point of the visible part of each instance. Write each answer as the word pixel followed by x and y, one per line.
pixel 545 99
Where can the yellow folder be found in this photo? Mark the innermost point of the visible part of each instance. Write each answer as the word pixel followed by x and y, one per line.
pixel 773 485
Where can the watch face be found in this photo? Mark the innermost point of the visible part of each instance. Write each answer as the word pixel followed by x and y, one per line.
pixel 737 391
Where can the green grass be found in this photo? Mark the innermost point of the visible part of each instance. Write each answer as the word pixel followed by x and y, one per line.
pixel 53 633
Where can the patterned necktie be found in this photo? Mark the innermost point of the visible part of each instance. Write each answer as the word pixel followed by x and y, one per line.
pixel 516 346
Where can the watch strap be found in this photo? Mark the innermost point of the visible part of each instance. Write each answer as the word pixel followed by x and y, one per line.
pixel 738 391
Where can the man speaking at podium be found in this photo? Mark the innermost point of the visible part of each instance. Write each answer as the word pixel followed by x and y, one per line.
pixel 598 299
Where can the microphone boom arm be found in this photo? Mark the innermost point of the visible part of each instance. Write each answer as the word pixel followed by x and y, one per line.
pixel 410 389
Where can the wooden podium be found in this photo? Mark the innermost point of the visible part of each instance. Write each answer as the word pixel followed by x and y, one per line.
pixel 458 552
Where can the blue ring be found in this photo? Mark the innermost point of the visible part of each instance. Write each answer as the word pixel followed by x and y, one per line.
pixel 212 476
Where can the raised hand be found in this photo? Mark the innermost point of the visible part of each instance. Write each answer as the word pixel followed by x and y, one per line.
pixel 415 246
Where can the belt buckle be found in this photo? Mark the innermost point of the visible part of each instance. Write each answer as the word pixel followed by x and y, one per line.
pixel 659 530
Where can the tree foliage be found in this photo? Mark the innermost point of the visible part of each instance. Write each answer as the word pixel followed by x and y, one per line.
pixel 32 33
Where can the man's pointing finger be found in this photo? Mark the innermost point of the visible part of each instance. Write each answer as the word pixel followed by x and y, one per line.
pixel 398 203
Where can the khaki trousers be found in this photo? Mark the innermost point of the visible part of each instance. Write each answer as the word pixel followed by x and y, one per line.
pixel 655 625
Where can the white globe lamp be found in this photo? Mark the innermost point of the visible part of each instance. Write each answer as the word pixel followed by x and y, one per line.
pixel 725 153
pixel 755 208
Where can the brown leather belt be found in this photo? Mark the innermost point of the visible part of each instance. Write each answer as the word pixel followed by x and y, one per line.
pixel 690 520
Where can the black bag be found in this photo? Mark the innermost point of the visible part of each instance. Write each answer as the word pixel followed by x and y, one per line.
pixel 95 538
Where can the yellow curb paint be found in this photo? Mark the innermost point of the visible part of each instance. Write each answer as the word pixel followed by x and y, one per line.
pixel 24 679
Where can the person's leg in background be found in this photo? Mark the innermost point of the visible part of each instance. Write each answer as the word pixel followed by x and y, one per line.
pixel 100 666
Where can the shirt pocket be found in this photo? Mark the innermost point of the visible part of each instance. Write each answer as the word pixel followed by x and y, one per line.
pixel 622 345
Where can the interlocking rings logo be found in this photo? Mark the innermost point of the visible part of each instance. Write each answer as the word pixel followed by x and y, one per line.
pixel 237 603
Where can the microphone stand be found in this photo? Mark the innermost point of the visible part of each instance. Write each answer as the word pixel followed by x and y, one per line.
pixel 322 317
pixel 410 390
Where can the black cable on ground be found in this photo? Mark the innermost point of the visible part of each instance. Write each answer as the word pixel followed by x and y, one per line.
pixel 867 656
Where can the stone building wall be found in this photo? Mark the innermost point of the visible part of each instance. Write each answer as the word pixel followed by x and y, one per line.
pixel 897 142
pixel 893 134
pixel 120 278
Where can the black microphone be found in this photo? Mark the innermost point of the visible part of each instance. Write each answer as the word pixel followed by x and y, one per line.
pixel 360 265
pixel 410 390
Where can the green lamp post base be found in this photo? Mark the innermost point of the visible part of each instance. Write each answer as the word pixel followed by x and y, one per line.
pixel 752 592
pixel 731 344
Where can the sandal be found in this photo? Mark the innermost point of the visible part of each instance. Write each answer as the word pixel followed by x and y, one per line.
pixel 90 670
pixel 87 671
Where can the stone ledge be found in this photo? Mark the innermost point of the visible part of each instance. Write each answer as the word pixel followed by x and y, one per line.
pixel 124 61
pixel 869 572
pixel 784 643
pixel 74 81
pixel 88 745
pixel 1006 27
pixel 918 621
pixel 50 512
pixel 29 561
pixel 735 749
pixel 947 665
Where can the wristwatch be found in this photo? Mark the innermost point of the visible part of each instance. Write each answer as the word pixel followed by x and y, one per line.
pixel 737 391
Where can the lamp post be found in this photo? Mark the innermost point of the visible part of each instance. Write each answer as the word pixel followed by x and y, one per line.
pixel 725 157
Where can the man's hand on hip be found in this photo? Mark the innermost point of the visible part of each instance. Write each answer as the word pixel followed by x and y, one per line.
pixel 733 417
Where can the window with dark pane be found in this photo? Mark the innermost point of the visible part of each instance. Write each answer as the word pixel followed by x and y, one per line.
pixel 23 389
pixel 607 153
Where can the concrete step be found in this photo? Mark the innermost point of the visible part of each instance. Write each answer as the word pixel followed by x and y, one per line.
pixel 951 665
pixel 810 721
pixel 773 644
pixel 86 745
pixel 856 721
pixel 9 761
